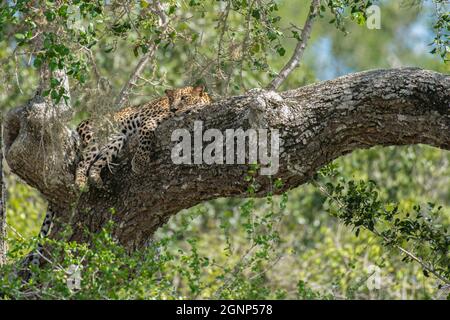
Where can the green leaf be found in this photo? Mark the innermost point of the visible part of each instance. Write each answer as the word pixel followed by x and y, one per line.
pixel 49 15
pixel 256 14
pixel 53 65
pixel 62 11
pixel 19 36
pixel 54 82
pixel 172 9
pixel 255 48
pixel 37 62
pixel 281 51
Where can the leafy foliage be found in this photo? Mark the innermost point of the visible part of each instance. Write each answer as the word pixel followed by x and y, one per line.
pixel 249 36
pixel 419 235
pixel 441 42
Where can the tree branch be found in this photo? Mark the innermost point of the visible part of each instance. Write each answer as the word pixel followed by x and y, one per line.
pixel 63 109
pixel 294 61
pixel 317 123
pixel 148 56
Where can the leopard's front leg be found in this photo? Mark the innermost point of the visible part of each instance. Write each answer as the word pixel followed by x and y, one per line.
pixel 89 152
pixel 105 157
pixel 143 152
pixel 111 150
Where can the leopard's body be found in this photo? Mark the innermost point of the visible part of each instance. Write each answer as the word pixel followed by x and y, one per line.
pixel 140 121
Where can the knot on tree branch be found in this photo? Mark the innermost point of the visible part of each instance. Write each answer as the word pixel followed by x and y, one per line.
pixel 265 106
pixel 40 149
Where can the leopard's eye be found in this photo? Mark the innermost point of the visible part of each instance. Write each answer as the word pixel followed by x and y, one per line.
pixel 184 98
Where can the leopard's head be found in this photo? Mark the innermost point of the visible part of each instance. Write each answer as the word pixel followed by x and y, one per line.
pixel 187 96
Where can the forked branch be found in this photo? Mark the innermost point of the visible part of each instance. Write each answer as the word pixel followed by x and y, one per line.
pixel 148 56
pixel 294 61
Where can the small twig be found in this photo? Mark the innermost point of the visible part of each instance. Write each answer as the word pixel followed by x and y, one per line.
pixel 299 49
pixel 417 259
pixel 127 9
pixel 235 271
pixel 94 64
pixel 223 21
pixel 16 71
pixel 148 82
pixel 15 231
pixel 269 267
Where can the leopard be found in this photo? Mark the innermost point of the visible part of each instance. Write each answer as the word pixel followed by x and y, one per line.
pixel 141 121
pixel 133 121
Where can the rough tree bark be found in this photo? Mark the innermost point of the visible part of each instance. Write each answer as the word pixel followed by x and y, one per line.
pixel 317 123
pixel 2 203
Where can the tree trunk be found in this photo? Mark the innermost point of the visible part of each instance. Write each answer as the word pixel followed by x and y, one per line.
pixel 317 124
pixel 3 247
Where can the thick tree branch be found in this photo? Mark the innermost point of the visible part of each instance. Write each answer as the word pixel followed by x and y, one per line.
pixel 317 123
pixel 294 61
pixel 41 149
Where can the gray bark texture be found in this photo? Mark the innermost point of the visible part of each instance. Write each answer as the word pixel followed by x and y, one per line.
pixel 317 123
pixel 2 205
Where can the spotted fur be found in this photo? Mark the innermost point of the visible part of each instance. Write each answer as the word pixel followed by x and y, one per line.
pixel 140 121
pixel 34 258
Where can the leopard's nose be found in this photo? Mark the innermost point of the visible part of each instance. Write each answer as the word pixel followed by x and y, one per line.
pixel 173 107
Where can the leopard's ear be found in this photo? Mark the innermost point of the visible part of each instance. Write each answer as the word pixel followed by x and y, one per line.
pixel 199 89
pixel 170 94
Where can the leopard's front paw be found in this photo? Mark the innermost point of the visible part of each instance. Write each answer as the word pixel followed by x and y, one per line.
pixel 94 177
pixel 81 181
pixel 82 186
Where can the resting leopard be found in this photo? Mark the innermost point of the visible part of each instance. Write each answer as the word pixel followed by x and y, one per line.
pixel 140 121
